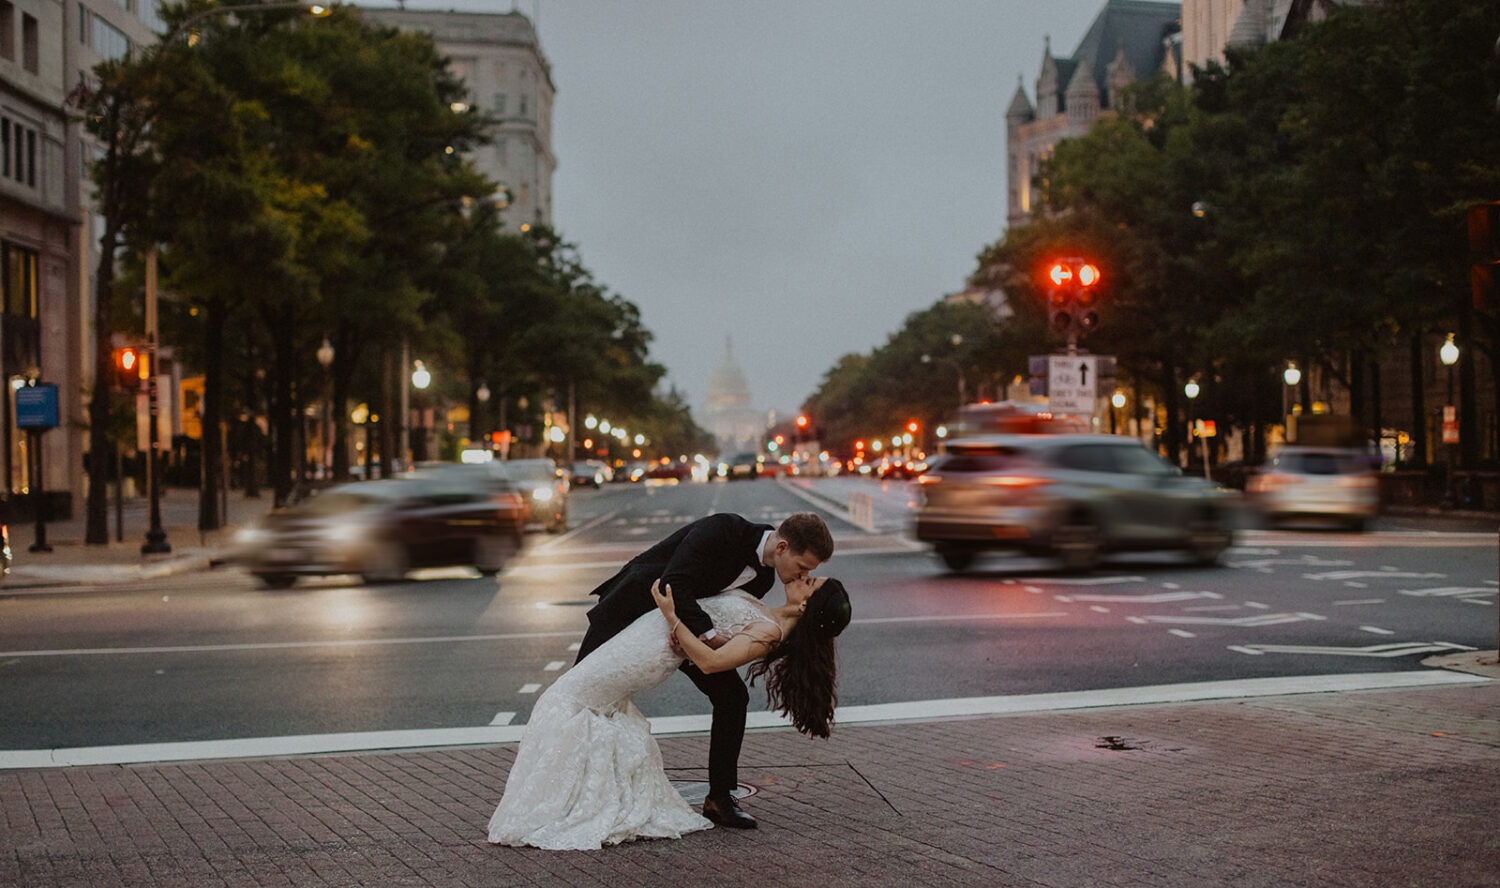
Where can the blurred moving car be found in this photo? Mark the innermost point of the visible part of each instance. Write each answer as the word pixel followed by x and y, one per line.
pixel 670 470
pixel 741 465
pixel 1072 497
pixel 590 474
pixel 545 488
pixel 382 529
pixel 1322 483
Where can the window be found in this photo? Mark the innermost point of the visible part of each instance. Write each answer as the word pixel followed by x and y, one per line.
pixel 500 104
pixel 7 30
pixel 17 152
pixel 107 40
pixel 522 110
pixel 30 44
pixel 150 13
pixel 502 151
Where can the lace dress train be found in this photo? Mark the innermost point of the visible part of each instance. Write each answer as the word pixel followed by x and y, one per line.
pixel 588 773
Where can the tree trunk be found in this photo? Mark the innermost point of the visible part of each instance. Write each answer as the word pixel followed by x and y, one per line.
pixel 213 408
pixel 96 530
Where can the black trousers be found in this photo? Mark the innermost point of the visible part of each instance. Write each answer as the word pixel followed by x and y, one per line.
pixel 727 693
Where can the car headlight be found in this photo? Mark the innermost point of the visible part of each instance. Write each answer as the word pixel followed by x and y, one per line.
pixel 253 535
pixel 542 494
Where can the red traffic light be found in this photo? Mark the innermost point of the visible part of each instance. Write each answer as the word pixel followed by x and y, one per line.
pixel 802 421
pixel 125 359
pixel 1060 274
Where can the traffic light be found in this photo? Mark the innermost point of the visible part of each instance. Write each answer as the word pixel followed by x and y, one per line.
pixel 1073 296
pixel 127 368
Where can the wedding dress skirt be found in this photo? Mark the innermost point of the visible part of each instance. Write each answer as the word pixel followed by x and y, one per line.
pixel 588 773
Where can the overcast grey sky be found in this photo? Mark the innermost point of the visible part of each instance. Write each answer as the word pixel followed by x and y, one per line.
pixel 796 175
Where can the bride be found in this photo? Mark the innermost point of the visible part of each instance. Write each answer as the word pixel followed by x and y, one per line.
pixel 588 773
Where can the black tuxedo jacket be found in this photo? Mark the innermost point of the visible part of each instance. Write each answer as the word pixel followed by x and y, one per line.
pixel 697 561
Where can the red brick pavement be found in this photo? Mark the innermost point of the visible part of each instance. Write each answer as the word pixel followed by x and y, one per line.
pixel 1367 788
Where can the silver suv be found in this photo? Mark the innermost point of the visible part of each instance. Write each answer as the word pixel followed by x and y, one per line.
pixel 1321 483
pixel 1072 497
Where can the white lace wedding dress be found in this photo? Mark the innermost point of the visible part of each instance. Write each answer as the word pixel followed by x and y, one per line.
pixel 588 772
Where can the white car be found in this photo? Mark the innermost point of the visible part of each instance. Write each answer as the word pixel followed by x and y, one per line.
pixel 1321 483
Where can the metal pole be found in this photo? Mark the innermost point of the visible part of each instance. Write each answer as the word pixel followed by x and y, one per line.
pixel 156 538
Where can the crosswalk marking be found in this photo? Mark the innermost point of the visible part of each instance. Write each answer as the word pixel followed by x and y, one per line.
pixel 1448 591
pixel 1400 649
pixel 1154 598
pixel 1258 620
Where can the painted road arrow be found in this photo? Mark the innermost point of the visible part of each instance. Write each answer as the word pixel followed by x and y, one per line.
pixel 1401 649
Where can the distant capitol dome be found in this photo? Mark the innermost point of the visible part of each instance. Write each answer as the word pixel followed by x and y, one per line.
pixel 728 387
pixel 727 411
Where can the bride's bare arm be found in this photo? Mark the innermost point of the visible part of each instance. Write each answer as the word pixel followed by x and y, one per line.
pixel 754 641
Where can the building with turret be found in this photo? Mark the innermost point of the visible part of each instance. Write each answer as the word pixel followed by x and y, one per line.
pixel 1130 40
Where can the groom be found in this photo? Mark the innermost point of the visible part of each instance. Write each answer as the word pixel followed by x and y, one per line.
pixel 704 558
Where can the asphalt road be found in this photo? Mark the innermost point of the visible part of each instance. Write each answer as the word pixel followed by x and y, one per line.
pixel 212 656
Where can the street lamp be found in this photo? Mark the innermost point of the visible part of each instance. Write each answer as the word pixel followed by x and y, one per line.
pixel 1291 376
pixel 1192 391
pixel 1448 354
pixel 1117 403
pixel 421 378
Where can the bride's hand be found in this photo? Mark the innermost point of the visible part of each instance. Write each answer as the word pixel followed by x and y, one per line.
pixel 664 601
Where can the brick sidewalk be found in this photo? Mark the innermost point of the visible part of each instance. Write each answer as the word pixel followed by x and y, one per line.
pixel 1356 788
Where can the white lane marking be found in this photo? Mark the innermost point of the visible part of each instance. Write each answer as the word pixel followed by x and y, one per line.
pixel 1385 651
pixel 919 710
pixel 1171 586
pixel 1384 574
pixel 554 666
pixel 447 639
pixel 1376 630
pixel 285 645
pixel 959 618
pixel 558 540
pixel 1099 609
pixel 1353 585
pixel 1304 561
pixel 502 718
pixel 1257 605
pixel 1474 601
pixel 1212 607
pixel 575 645
pixel 1097 581
pixel 1360 601
pixel 529 688
pixel 1446 591
pixel 1260 620
pixel 1154 598
pixel 1182 633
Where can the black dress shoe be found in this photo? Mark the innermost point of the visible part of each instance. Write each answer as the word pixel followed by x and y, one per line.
pixel 725 812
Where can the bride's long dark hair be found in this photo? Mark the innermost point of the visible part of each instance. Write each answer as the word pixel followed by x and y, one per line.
pixel 801 672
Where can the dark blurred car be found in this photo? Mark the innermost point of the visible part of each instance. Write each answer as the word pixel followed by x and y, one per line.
pixel 741 466
pixel 587 474
pixel 1072 497
pixel 1321 483
pixel 382 529
pixel 635 471
pixel 671 470
pixel 900 469
pixel 545 488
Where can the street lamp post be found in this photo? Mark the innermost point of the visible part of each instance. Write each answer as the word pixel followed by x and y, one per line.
pixel 1448 354
pixel 1192 390
pixel 1290 376
pixel 421 378
pixel 1116 404
pixel 957 340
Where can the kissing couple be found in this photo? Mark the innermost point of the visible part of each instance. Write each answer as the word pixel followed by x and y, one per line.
pixel 588 773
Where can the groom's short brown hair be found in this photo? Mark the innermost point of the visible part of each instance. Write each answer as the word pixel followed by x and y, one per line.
pixel 806 532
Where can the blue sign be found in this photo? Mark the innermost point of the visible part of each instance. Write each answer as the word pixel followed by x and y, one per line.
pixel 36 406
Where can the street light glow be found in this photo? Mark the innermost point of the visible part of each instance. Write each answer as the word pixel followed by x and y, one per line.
pixel 1448 353
pixel 1191 389
pixel 420 377
pixel 1291 376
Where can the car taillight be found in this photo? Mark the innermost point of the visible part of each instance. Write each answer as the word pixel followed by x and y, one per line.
pixel 1017 482
pixel 930 479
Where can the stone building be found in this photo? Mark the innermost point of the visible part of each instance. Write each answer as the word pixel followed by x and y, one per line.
pixel 1130 40
pixel 500 60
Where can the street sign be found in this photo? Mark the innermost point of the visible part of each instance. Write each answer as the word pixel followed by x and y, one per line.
pixel 1072 383
pixel 36 406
